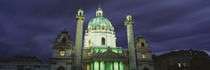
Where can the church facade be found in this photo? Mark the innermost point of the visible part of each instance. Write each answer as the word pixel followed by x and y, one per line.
pixel 98 50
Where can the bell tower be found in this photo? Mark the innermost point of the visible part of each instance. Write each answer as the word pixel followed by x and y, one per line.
pixel 62 52
pixel 143 54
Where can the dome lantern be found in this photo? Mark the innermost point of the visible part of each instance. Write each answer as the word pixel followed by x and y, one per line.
pixel 129 17
pixel 80 12
pixel 99 12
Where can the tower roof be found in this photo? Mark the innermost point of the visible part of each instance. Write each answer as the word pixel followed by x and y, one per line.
pixel 139 36
pixel 63 40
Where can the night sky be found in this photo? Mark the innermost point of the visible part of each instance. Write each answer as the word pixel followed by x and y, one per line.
pixel 29 27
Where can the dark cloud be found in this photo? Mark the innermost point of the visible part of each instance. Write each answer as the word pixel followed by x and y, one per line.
pixel 29 27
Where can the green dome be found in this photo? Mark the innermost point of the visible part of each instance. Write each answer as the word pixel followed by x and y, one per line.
pixel 100 23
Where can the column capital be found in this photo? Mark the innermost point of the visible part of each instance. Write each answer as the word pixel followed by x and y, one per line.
pixel 80 17
pixel 129 19
pixel 127 22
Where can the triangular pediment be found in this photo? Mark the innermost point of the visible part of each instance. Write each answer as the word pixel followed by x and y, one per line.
pixel 108 54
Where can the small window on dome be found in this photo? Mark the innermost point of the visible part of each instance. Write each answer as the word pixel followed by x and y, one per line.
pixel 103 27
pixel 112 29
pixel 90 28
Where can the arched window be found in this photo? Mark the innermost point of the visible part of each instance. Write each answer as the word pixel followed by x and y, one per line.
pixel 89 43
pixel 61 68
pixel 129 18
pixel 142 44
pixel 100 14
pixel 80 13
pixel 103 27
pixel 103 41
pixel 145 68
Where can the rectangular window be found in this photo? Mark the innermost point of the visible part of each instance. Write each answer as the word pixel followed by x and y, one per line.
pixel 179 65
pixel 89 53
pixel 62 53
pixel 144 55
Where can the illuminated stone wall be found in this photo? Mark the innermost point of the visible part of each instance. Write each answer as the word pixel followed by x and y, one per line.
pixel 96 36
